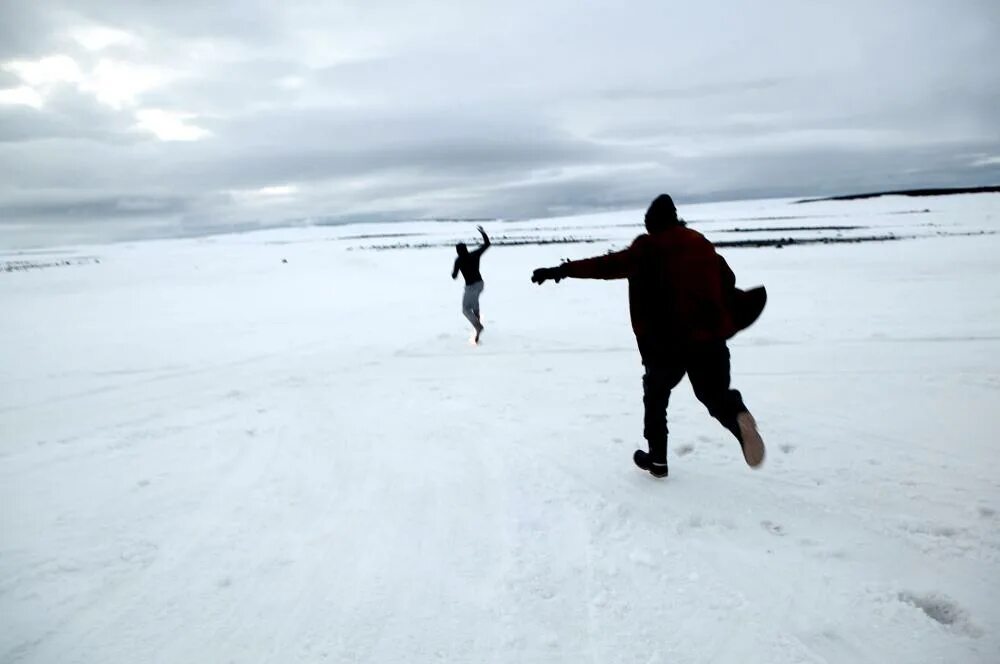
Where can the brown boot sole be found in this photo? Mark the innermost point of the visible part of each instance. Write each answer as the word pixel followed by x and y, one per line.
pixel 753 444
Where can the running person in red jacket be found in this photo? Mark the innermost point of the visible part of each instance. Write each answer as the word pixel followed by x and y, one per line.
pixel 681 296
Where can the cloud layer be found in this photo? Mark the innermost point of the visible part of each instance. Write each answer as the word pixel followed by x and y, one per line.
pixel 127 119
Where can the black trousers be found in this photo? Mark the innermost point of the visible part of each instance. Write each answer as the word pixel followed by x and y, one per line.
pixel 707 367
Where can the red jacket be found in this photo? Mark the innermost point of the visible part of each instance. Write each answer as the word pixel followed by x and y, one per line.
pixel 678 288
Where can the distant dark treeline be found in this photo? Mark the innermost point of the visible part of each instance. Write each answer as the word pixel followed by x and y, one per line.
pixel 23 266
pixel 497 242
pixel 908 192
pixel 758 243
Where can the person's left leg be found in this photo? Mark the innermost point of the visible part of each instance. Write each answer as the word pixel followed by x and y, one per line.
pixel 657 382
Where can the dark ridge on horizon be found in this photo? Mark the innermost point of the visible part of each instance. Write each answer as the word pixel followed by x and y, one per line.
pixel 937 191
pixel 787 229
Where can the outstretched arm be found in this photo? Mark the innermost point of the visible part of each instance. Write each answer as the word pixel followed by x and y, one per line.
pixel 454 270
pixel 617 265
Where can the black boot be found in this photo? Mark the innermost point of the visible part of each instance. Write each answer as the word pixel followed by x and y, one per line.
pixel 645 462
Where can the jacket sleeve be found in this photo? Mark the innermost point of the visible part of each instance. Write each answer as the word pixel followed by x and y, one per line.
pixel 617 265
pixel 454 270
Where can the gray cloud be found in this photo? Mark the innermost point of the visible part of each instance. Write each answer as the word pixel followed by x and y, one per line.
pixel 97 209
pixel 691 91
pixel 325 112
pixel 23 30
pixel 68 114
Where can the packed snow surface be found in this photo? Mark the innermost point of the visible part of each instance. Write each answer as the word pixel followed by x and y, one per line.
pixel 281 447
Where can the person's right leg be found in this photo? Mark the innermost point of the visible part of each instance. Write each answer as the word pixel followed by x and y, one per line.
pixel 477 292
pixel 709 372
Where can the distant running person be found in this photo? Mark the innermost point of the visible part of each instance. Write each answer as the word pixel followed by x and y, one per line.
pixel 684 305
pixel 468 264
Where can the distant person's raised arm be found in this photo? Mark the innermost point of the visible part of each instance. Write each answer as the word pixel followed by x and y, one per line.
pixel 486 240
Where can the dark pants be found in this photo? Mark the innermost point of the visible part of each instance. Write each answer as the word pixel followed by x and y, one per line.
pixel 707 367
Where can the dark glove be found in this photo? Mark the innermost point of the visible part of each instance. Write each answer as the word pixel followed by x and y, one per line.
pixel 556 274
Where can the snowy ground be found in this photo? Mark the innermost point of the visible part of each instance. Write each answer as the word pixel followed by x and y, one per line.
pixel 209 455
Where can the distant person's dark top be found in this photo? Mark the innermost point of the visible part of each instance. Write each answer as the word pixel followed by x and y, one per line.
pixel 468 265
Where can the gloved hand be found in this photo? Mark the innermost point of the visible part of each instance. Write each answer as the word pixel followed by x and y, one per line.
pixel 556 274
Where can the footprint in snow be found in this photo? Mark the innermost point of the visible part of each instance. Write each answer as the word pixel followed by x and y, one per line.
pixel 787 449
pixel 773 528
pixel 685 450
pixel 698 522
pixel 140 553
pixel 942 610
pixel 932 530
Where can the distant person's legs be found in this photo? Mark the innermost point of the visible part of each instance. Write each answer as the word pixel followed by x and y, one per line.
pixel 470 305
pixel 475 302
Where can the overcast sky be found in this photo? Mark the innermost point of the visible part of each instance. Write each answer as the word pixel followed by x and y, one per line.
pixel 134 118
